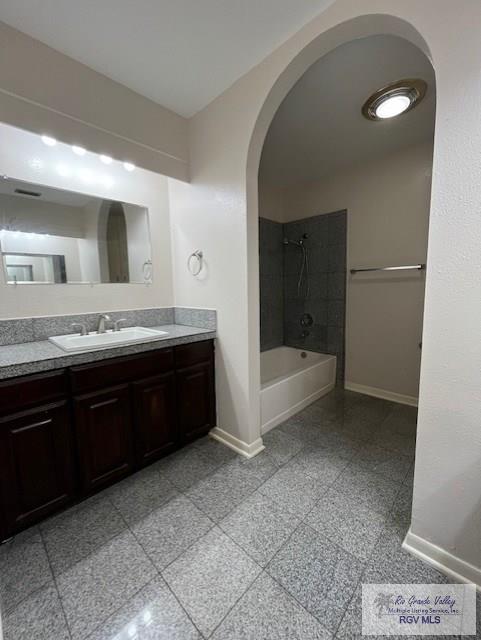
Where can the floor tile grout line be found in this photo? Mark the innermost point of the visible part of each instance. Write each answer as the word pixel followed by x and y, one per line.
pixel 67 624
pixel 91 553
pixel 238 599
pixel 159 573
pixel 288 593
pixel 133 595
pixel 127 528
pixel 214 524
pixel 359 581
pixel 9 610
pixel 264 570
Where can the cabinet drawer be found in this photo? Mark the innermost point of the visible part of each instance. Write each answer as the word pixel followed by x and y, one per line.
pixel 18 394
pixel 189 354
pixel 120 370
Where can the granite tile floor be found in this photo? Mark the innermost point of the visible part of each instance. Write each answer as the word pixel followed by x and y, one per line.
pixel 205 544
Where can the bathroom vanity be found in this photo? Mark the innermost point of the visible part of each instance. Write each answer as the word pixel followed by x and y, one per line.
pixel 72 431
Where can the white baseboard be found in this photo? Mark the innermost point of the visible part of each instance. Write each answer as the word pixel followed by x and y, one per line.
pixel 282 417
pixel 381 393
pixel 239 446
pixel 442 560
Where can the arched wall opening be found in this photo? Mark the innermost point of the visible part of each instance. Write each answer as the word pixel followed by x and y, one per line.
pixel 324 43
pixel 338 191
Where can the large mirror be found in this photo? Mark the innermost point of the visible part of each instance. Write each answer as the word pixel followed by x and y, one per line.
pixel 50 236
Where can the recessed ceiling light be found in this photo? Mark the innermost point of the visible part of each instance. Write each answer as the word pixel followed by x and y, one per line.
pixel 49 141
pixel 395 99
pixel 128 166
pixel 80 151
pixel 106 159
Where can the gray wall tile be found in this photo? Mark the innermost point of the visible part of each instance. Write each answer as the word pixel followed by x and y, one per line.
pixel 326 244
pixel 336 286
pixel 271 270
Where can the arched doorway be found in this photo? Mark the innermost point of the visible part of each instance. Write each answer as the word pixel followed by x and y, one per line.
pixel 359 27
pixel 340 191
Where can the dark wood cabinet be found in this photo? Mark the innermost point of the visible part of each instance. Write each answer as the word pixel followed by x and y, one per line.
pixel 104 434
pixel 69 433
pixel 154 417
pixel 36 464
pixel 195 389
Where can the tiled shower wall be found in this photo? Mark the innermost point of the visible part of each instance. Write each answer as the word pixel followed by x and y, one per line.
pixel 271 283
pixel 326 299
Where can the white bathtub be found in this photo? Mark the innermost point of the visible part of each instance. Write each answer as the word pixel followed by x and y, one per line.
pixel 290 380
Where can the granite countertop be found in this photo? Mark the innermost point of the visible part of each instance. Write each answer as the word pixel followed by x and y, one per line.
pixel 33 357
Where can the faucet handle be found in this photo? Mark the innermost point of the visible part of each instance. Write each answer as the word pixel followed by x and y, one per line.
pixel 117 323
pixel 82 326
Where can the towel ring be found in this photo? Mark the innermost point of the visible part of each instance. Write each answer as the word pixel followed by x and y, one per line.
pixel 195 269
pixel 147 271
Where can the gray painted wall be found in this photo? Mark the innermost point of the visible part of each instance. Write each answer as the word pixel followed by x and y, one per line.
pixel 281 311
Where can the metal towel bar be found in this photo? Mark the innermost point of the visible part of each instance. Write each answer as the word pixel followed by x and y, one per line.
pixel 408 267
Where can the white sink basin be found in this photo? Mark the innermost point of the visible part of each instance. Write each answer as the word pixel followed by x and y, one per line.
pixel 129 335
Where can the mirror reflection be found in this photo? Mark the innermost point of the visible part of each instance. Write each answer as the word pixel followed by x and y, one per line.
pixel 52 236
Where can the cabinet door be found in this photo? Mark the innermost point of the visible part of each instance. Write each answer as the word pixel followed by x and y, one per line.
pixel 154 417
pixel 36 464
pixel 104 435
pixel 196 400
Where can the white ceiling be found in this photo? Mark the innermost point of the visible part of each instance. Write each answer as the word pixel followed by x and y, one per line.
pixel 319 128
pixel 181 54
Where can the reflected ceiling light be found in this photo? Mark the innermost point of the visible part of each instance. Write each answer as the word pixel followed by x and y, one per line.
pixel 395 99
pixel 80 151
pixel 128 166
pixel 106 159
pixel 49 141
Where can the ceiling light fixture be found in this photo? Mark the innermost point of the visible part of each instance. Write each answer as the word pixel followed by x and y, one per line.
pixel 49 141
pixel 106 159
pixel 80 151
pixel 395 99
pixel 128 166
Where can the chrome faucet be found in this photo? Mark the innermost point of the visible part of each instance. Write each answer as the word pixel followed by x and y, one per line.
pixel 82 326
pixel 103 318
pixel 117 323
